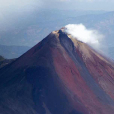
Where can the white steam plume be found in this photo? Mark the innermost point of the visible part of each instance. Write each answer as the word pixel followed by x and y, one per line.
pixel 81 33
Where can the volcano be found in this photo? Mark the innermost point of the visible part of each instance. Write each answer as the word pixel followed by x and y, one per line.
pixel 59 75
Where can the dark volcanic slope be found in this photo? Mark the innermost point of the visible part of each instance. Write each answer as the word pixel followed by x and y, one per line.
pixel 60 75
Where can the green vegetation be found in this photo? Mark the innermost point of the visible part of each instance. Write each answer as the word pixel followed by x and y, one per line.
pixel 1 58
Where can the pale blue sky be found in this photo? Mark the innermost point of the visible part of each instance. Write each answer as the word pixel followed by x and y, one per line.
pixel 24 5
pixel 82 4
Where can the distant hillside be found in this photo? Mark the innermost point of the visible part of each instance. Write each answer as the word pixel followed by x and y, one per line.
pixel 10 52
pixel 31 28
pixel 1 58
pixel 4 62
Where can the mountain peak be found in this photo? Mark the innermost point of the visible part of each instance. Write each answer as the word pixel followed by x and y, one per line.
pixel 60 75
pixel 84 49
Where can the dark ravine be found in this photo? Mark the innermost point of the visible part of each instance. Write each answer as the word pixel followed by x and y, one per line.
pixel 60 75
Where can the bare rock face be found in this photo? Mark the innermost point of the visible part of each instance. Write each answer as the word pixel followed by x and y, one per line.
pixel 60 75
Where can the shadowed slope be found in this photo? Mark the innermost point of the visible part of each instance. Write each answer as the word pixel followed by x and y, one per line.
pixel 60 75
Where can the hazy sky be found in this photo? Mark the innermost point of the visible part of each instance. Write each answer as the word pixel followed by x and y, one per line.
pixel 11 10
pixel 82 4
pixel 27 5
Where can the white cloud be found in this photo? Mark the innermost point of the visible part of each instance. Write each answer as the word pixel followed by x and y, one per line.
pixel 81 33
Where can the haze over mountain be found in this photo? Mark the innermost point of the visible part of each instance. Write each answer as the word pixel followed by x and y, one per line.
pixel 28 32
pixel 10 52
pixel 31 28
pixel 59 75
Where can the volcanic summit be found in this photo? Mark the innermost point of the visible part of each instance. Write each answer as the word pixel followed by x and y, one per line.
pixel 59 75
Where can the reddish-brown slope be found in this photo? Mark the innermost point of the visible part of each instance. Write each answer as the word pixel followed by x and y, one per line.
pixel 60 75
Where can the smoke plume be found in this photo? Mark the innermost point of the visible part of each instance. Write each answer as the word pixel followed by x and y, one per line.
pixel 81 33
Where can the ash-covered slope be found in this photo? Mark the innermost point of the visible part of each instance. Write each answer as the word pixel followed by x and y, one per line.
pixel 60 75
